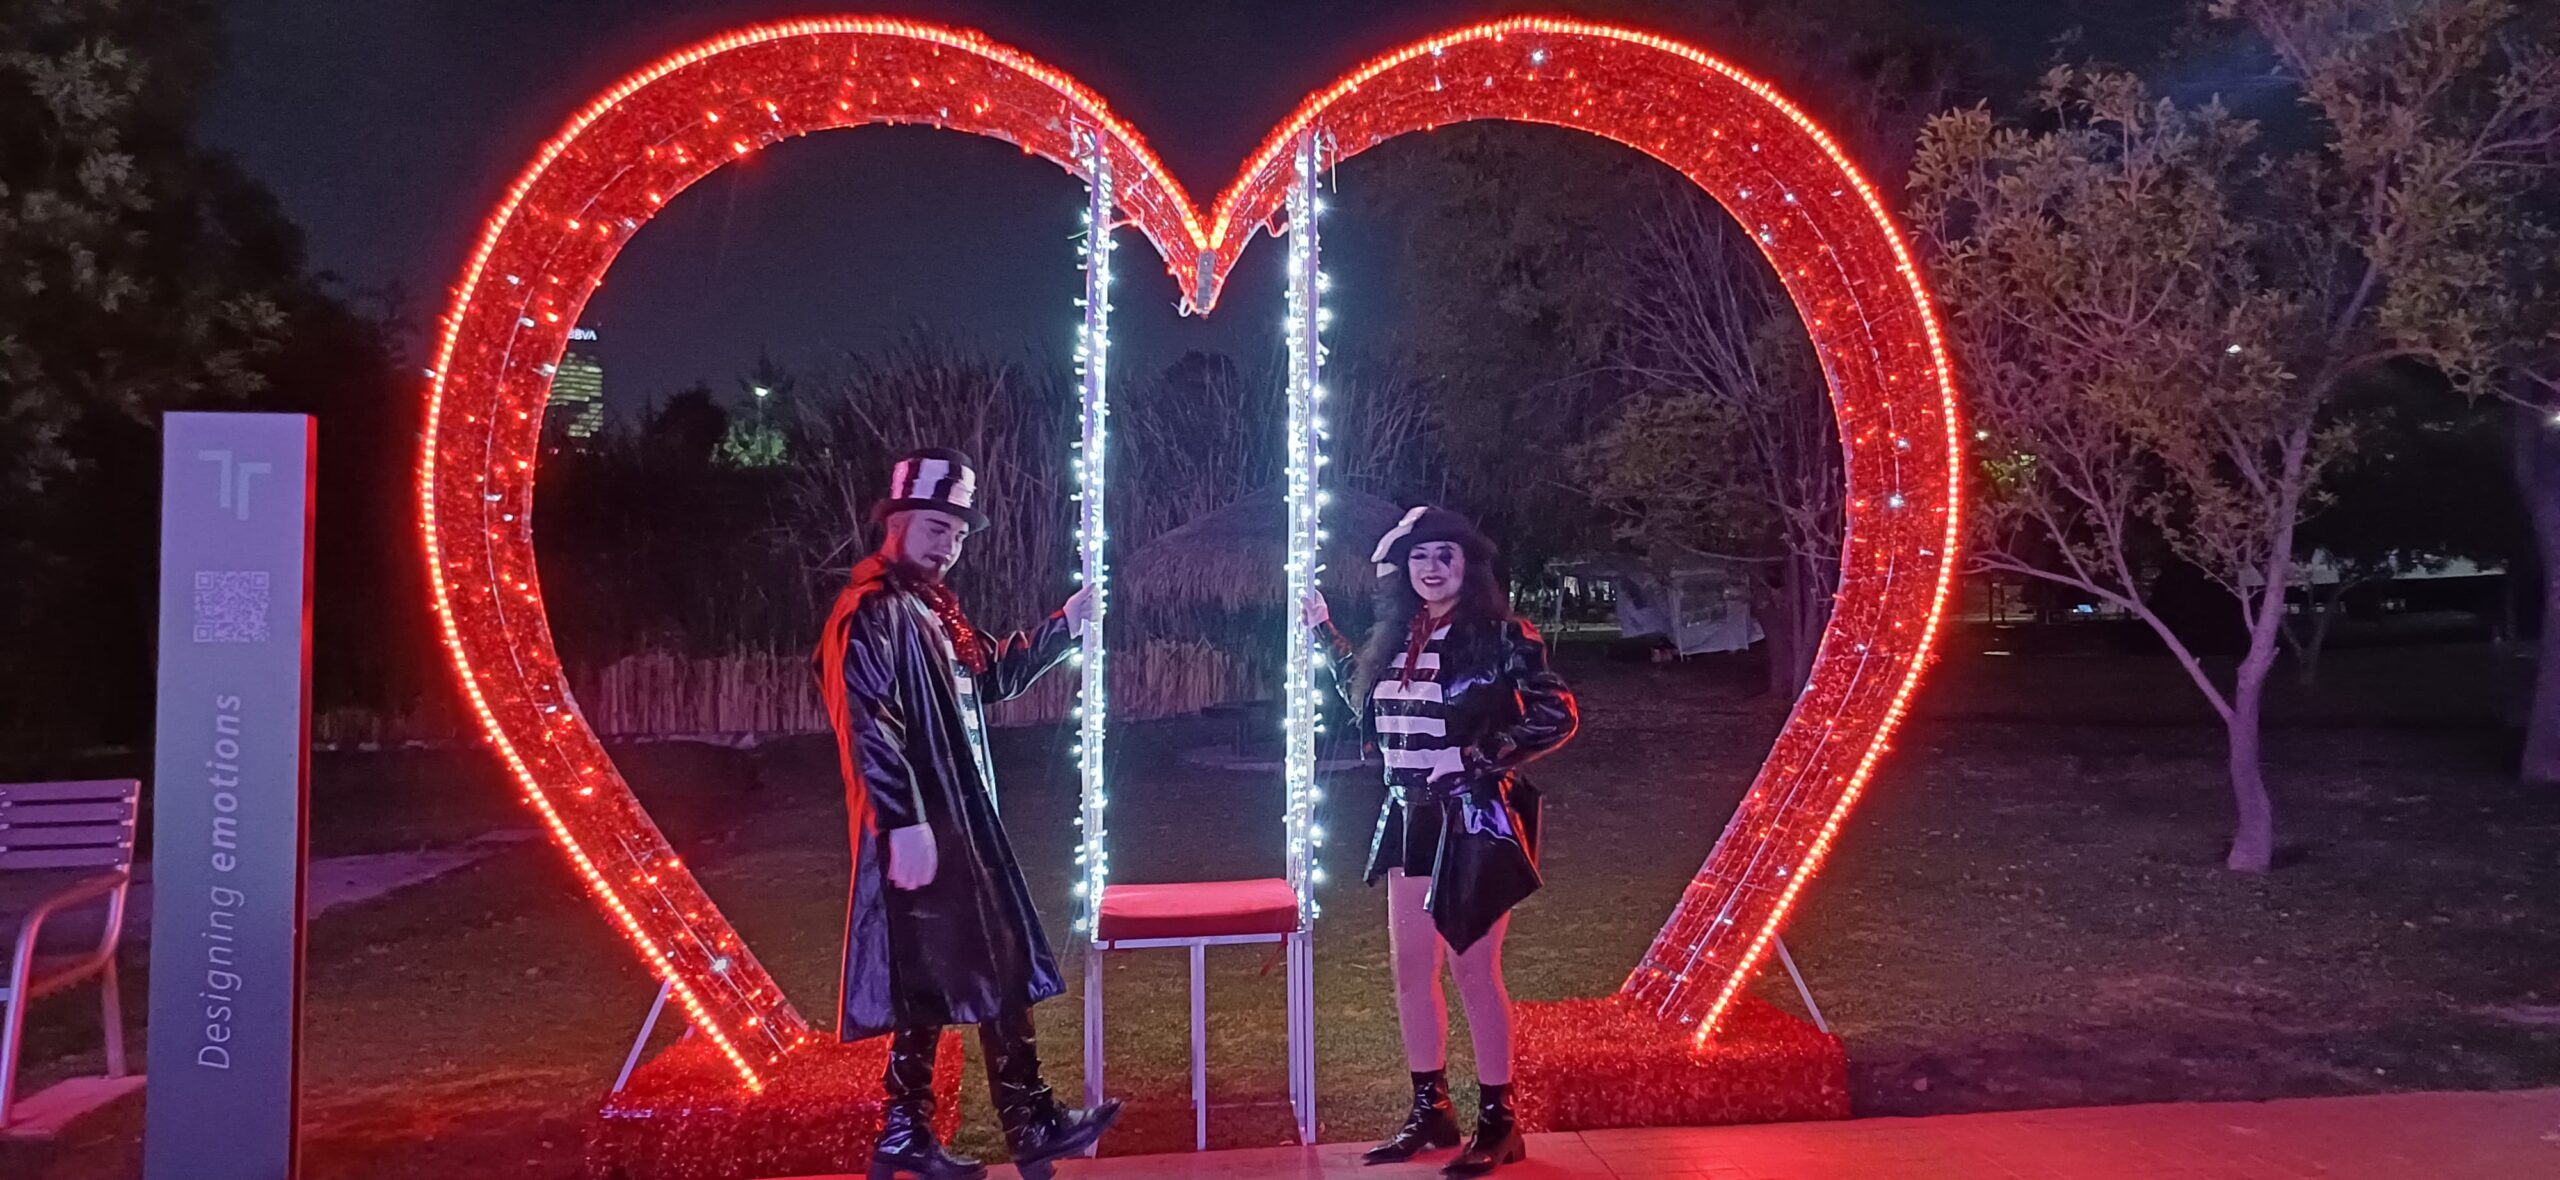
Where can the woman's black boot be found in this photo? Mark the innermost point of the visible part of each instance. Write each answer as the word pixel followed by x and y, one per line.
pixel 1497 1141
pixel 1431 1125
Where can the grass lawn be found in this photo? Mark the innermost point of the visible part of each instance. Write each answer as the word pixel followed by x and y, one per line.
pixel 2026 912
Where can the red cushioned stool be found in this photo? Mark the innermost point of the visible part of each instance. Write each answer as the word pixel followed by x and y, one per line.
pixel 1200 915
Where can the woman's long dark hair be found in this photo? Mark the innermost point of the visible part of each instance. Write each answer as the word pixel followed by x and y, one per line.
pixel 1481 598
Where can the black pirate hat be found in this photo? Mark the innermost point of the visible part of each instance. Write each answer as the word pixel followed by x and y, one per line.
pixel 1422 526
pixel 937 479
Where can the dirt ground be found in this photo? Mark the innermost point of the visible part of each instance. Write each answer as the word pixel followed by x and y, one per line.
pixel 2027 911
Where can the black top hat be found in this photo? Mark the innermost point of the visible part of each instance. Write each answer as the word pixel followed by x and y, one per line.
pixel 938 479
pixel 1422 526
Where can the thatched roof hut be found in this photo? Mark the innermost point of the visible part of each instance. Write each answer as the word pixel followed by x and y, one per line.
pixel 1197 612
pixel 1229 561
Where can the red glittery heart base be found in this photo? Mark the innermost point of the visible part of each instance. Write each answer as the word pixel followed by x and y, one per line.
pixel 684 1117
pixel 1586 1065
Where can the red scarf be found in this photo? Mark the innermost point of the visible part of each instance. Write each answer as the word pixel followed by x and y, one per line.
pixel 1423 626
pixel 965 639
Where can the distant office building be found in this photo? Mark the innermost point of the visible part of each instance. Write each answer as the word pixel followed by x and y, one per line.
pixel 576 412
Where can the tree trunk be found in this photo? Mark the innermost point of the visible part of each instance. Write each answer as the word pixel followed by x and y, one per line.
pixel 2538 478
pixel 1794 630
pixel 1778 630
pixel 1813 613
pixel 2253 838
pixel 2324 613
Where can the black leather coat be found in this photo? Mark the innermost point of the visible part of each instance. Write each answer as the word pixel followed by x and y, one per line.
pixel 968 944
pixel 1505 707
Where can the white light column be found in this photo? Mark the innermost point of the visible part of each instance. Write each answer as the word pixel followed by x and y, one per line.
pixel 1302 705
pixel 1093 346
pixel 1302 708
pixel 1093 570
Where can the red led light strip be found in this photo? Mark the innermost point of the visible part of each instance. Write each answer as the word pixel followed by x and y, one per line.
pixel 550 241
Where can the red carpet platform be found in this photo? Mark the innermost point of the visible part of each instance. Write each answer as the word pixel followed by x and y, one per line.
pixel 684 1116
pixel 1587 1065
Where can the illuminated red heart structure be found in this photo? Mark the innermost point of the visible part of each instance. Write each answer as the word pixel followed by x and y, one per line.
pixel 591 187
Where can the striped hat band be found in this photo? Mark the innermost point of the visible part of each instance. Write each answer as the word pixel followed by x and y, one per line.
pixel 939 480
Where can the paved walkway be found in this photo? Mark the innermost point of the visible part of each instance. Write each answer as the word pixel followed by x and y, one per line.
pixel 333 882
pixel 2501 1136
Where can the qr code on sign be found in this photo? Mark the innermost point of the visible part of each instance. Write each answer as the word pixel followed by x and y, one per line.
pixel 231 606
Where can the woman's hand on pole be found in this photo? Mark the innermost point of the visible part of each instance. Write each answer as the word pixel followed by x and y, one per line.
pixel 1314 610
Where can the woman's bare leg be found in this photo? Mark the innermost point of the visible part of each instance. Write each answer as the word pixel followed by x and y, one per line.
pixel 1414 948
pixel 1488 1001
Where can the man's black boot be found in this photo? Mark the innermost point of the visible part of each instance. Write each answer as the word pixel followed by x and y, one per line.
pixel 1036 1128
pixel 907 1146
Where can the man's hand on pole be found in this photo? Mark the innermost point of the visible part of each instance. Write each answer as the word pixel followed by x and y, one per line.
pixel 1079 611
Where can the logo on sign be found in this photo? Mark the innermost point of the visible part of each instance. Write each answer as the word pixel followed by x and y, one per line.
pixel 235 479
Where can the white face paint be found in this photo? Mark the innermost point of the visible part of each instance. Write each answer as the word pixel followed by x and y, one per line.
pixel 1438 569
pixel 926 540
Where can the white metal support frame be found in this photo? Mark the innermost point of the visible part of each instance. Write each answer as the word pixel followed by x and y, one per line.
pixel 1802 992
pixel 1301 705
pixel 639 1043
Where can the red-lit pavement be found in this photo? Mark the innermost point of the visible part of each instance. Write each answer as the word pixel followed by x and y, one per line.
pixel 2481 1136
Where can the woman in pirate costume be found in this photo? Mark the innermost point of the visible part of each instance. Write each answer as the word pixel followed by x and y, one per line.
pixel 940 929
pixel 1456 693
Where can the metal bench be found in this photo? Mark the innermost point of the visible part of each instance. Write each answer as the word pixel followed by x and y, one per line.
pixel 66 849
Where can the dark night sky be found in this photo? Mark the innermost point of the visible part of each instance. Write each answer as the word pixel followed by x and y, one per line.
pixel 388 127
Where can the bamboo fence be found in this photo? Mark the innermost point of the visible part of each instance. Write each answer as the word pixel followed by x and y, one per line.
pixel 756 695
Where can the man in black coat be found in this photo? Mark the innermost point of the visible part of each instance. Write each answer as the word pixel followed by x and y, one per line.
pixel 940 929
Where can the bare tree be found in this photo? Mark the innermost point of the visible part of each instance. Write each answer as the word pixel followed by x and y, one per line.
pixel 1379 411
pixel 1730 445
pixel 1195 438
pixel 925 392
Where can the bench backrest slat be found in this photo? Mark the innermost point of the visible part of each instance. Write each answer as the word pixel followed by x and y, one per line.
pixel 79 792
pixel 27 814
pixel 66 858
pixel 74 825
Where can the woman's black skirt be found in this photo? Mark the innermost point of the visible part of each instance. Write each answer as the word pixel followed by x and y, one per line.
pixel 1408 838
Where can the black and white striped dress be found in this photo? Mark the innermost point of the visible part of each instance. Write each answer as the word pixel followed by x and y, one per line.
pixel 1412 725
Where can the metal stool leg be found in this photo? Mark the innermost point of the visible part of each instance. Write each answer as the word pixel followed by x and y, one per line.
pixel 1200 1046
pixel 1093 1026
pixel 1302 1029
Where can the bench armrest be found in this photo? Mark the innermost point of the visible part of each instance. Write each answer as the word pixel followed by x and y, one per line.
pixel 107 885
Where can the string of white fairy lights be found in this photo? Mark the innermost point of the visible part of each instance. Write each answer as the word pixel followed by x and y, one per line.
pixel 1093 345
pixel 1302 700
pixel 1302 705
